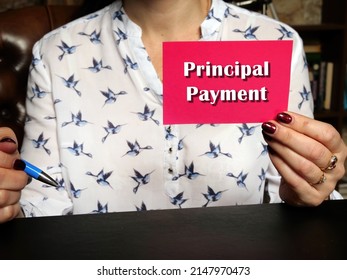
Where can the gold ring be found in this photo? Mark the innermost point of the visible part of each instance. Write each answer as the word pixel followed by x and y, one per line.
pixel 321 180
pixel 332 163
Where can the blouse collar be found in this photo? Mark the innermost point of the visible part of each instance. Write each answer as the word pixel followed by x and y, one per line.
pixel 209 26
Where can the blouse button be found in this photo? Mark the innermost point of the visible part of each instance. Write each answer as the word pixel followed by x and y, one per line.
pixel 170 170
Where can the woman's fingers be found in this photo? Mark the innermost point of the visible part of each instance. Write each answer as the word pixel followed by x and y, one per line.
pixel 294 189
pixel 302 166
pixel 315 141
pixel 328 140
pixel 322 132
pixel 309 155
pixel 9 212
pixel 304 145
pixel 11 181
pixel 8 197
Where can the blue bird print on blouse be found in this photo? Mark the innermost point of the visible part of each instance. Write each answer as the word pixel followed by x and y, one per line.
pixel 60 187
pixel 71 83
pixel 178 200
pixel 38 93
pixel 56 101
pixel 168 134
pixel 188 172
pixel 305 95
pixel 118 15
pixel 180 144
pixel 147 114
pixel 101 178
pixel 76 193
pixel 211 15
pixel 61 184
pixel 136 149
pixel 32 213
pixel 89 17
pixel 228 13
pixel 246 131
pixel 102 209
pixel 262 178
pixel 35 61
pixel 111 97
pixel 212 196
pixel 249 32
pixel 129 63
pixel 240 179
pixel 265 151
pixel 77 150
pixel 215 151
pixel 111 129
pixel 94 37
pixel 121 36
pixel 142 208
pixel 98 66
pixel 40 143
pixel 141 179
pixel 76 120
pixel 285 33
pixel 66 49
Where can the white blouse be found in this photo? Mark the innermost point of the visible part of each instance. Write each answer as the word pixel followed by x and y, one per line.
pixel 94 122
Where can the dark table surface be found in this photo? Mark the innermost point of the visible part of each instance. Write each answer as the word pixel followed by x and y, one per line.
pixel 269 231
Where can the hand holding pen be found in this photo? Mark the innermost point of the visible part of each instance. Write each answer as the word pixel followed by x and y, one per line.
pixel 34 172
pixel 11 181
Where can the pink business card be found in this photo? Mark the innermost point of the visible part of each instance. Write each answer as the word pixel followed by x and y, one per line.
pixel 226 81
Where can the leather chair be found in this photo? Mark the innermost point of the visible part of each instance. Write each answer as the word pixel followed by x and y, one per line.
pixel 19 30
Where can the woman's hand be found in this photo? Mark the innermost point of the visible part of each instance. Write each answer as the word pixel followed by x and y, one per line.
pixel 308 154
pixel 11 181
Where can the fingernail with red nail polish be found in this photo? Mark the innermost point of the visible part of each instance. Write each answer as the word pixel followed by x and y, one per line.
pixel 19 164
pixel 269 127
pixel 284 117
pixel 7 140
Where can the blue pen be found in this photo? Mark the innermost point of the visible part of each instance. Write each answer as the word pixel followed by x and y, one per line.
pixel 34 172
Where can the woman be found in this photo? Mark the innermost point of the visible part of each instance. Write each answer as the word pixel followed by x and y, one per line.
pixel 95 121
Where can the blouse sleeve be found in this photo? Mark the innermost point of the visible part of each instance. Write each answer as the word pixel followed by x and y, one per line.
pixel 40 145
